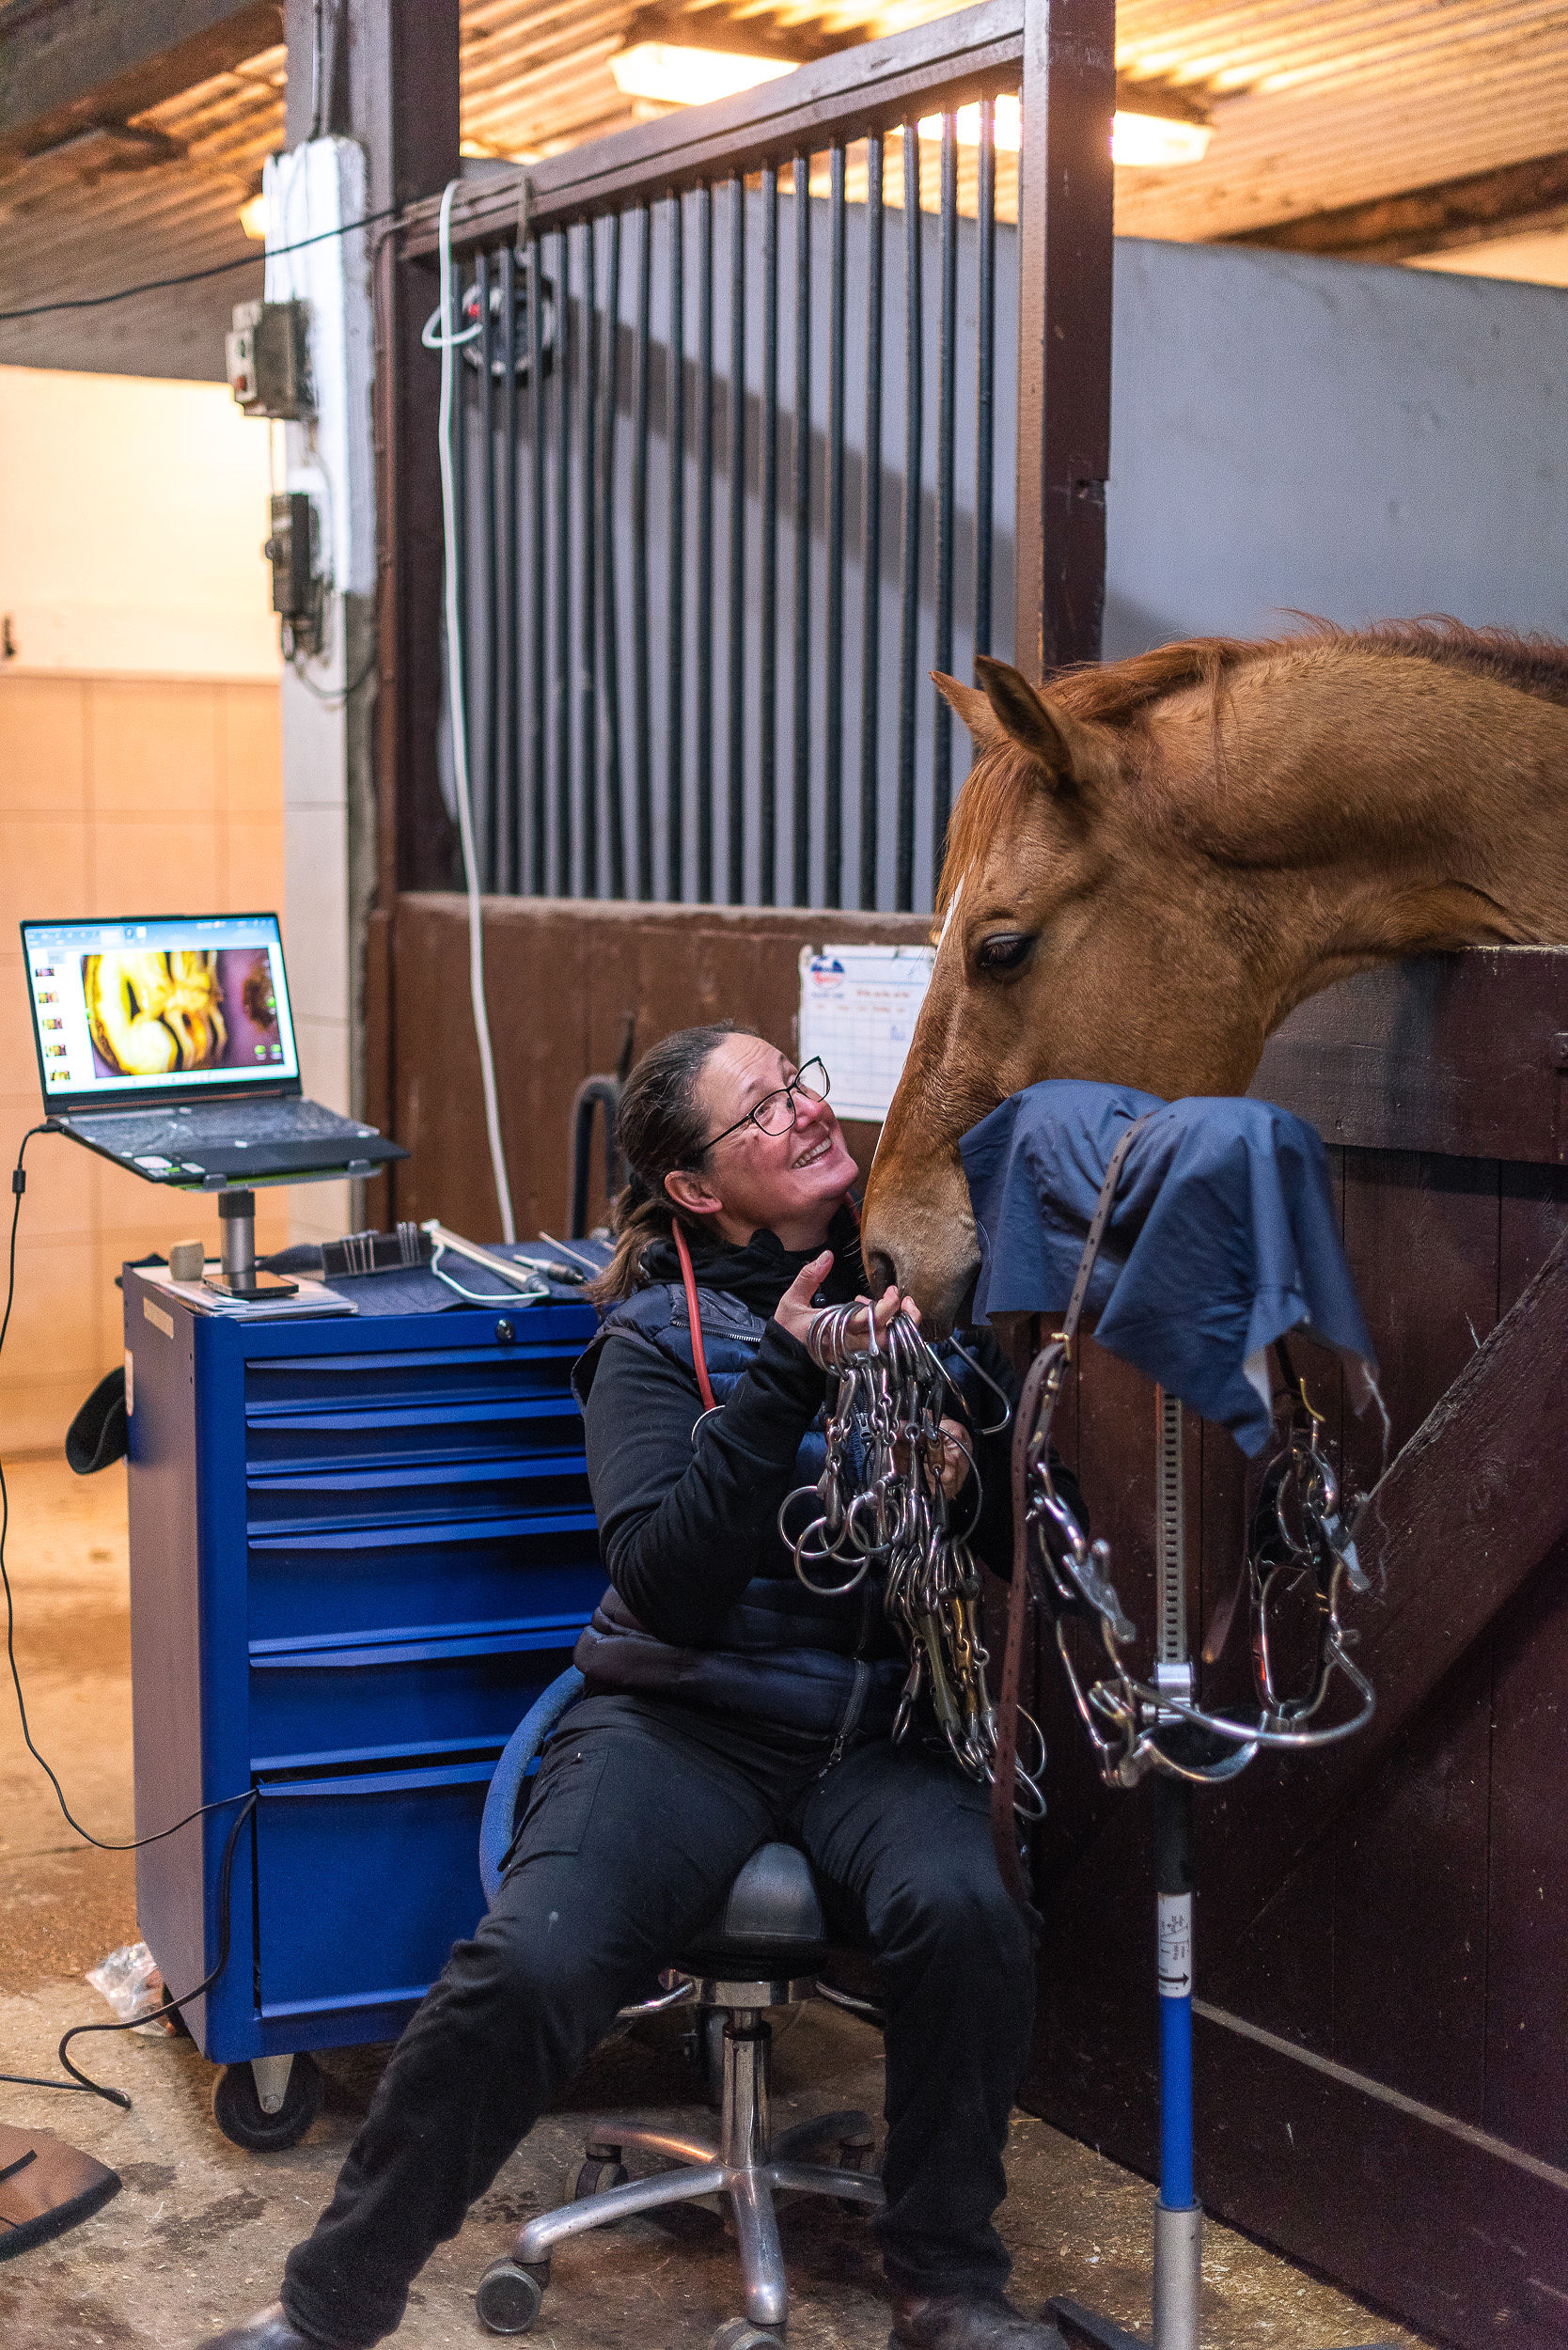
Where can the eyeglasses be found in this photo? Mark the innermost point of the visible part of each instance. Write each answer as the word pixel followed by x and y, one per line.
pixel 775 1113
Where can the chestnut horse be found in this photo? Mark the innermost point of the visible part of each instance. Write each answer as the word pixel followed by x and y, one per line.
pixel 1155 861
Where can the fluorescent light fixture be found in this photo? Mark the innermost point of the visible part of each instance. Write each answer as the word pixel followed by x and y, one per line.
pixel 689 78
pixel 692 77
pixel 1149 139
pixel 1156 142
pixel 253 219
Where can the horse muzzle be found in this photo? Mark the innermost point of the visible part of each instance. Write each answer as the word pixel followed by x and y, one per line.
pixel 921 1236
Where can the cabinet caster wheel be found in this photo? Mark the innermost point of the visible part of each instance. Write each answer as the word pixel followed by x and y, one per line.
pixel 509 2296
pixel 595 2177
pixel 244 2120
pixel 741 2334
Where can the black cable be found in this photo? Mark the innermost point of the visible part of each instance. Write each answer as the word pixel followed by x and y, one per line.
pixel 334 697
pixel 220 1803
pixel 193 276
pixel 80 2083
pixel 248 1798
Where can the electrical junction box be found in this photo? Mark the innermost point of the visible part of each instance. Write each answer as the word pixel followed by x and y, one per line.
pixel 268 355
pixel 296 590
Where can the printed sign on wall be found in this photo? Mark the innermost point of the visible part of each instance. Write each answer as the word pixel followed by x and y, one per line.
pixel 859 1005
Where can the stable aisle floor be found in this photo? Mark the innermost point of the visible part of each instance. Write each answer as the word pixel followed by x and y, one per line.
pixel 197 2236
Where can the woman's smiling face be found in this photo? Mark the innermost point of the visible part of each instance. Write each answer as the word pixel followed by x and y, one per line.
pixel 792 1183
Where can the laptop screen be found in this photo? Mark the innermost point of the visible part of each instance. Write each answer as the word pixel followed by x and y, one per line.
pixel 169 1008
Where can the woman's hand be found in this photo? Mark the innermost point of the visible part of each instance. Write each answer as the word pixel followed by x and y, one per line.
pixel 795 1313
pixel 957 1458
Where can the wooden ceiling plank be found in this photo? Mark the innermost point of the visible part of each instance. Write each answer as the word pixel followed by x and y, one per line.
pixel 95 61
pixel 1426 220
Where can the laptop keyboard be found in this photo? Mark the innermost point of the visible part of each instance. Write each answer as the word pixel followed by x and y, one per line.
pixel 175 1133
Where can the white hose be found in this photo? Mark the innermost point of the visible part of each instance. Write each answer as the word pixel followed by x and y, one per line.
pixel 446 342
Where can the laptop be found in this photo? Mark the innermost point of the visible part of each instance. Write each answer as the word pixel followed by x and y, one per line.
pixel 167 1045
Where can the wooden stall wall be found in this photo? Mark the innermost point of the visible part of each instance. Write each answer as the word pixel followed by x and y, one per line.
pixel 564 978
pixel 1383 1935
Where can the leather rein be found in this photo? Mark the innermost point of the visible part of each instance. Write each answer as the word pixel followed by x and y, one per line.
pixel 1031 1442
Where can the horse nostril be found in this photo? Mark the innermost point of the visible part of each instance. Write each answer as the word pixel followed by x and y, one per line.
pixel 878 1271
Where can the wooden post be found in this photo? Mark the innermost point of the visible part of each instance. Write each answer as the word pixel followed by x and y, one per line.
pixel 385 73
pixel 1064 330
pixel 401 77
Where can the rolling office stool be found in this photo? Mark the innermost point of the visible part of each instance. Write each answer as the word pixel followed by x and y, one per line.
pixel 762 1952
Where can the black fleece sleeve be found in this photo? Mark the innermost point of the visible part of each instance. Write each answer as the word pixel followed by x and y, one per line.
pixel 682 1530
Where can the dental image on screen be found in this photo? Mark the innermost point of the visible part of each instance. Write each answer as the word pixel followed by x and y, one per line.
pixel 150 1014
pixel 124 1007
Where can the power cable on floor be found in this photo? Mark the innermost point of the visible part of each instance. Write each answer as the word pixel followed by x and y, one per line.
pixel 247 1797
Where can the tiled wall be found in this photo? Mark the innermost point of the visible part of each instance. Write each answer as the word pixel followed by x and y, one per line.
pixel 117 796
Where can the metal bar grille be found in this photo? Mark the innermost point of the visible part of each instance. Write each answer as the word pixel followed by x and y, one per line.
pixel 726 504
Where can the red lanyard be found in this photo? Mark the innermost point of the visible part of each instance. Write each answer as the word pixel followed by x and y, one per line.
pixel 699 1357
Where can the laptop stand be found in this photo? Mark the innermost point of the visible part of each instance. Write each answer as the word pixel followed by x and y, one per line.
pixel 238 1277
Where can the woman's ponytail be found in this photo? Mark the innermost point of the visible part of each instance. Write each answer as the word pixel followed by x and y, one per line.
pixel 661 1125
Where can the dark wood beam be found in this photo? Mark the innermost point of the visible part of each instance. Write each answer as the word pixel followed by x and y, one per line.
pixel 1451 213
pixel 391 81
pixel 1065 191
pixel 875 87
pixel 1463 1054
pixel 69 64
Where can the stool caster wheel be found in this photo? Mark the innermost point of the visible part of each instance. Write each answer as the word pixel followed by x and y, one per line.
pixel 857 2154
pixel 741 2334
pixel 509 2296
pixel 596 2176
pixel 238 2110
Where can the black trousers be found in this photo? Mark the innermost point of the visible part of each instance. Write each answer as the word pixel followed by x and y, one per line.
pixel 640 1817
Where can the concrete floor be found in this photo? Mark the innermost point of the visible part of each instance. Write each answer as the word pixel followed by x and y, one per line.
pixel 198 2235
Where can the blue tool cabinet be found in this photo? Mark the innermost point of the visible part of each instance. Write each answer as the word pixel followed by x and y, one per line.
pixel 359 1550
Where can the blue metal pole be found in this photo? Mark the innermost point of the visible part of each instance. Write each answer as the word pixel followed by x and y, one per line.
pixel 1175 1930
pixel 1178 2219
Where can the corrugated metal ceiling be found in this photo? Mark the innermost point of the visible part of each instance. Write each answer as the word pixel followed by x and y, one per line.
pixel 1315 103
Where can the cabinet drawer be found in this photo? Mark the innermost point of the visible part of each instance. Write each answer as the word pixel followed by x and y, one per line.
pixel 439 1574
pixel 308 1499
pixel 452 1374
pixel 308 1705
pixel 499 1426
pixel 363 1884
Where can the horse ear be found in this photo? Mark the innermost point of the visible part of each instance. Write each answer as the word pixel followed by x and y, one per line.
pixel 1063 745
pixel 972 707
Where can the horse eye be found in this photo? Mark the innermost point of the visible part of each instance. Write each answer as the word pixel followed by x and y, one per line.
pixel 1004 952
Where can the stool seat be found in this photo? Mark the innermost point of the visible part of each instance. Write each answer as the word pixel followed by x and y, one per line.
pixel 771 1921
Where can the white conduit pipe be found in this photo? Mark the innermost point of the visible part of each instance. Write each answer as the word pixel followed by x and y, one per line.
pixel 446 342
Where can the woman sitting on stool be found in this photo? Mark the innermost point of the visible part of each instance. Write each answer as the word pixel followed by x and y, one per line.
pixel 726 1705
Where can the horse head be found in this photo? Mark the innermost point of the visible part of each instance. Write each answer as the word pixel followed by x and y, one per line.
pixel 1155 862
pixel 1080 935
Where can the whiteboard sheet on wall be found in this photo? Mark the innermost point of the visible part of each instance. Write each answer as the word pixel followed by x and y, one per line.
pixel 859 1005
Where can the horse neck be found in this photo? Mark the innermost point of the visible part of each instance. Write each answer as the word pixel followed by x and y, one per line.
pixel 1384 809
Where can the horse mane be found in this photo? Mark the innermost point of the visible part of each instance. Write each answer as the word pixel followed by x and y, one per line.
pixel 1117 693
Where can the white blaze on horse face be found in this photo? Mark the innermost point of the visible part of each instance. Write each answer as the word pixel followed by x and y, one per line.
pixel 946 926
